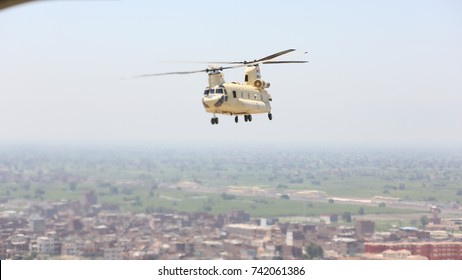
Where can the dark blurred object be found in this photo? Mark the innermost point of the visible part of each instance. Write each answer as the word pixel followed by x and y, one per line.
pixel 8 3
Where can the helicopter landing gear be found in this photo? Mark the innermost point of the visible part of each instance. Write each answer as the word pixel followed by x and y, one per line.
pixel 214 120
pixel 248 118
pixel 270 116
pixel 236 119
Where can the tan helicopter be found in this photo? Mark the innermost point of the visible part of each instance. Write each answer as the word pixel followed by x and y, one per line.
pixel 233 98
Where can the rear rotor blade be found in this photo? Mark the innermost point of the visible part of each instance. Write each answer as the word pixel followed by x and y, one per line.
pixel 256 61
pixel 285 61
pixel 273 56
pixel 263 60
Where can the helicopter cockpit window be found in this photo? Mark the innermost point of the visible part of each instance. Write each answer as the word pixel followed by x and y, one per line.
pixel 206 91
pixel 212 91
pixel 219 90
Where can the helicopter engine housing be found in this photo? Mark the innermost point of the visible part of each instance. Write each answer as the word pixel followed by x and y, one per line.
pixel 259 83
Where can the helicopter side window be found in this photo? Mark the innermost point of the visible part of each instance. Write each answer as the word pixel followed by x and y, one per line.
pixel 234 94
pixel 226 94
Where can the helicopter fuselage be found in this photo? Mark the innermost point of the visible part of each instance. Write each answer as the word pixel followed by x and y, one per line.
pixel 236 99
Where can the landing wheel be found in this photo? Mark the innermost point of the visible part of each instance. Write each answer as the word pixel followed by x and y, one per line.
pixel 246 119
pixel 250 118
pixel 214 120
pixel 236 119
pixel 270 116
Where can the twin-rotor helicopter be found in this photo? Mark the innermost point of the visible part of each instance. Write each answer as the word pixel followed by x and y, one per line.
pixel 233 98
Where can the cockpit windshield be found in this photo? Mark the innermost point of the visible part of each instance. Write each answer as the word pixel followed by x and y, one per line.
pixel 219 90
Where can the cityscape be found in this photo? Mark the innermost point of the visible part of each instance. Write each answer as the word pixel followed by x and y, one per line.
pixel 177 203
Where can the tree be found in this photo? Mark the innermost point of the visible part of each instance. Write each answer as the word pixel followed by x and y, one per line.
pixel 226 196
pixel 39 192
pixel 73 186
pixel 346 216
pixel 296 180
pixel 114 190
pixel 314 251
pixel 26 186
pixel 424 220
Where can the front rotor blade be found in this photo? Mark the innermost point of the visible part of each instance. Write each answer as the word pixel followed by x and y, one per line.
pixel 171 73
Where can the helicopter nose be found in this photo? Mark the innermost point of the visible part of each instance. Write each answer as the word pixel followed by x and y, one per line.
pixel 213 100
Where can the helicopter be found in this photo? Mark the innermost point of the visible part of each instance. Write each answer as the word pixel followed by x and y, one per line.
pixel 234 98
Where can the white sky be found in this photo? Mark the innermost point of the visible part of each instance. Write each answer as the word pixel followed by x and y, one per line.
pixel 379 73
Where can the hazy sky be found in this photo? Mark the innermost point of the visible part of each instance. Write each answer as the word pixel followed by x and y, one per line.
pixel 380 72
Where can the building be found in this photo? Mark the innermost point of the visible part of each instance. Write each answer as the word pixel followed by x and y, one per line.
pixel 393 255
pixel 248 232
pixel 364 229
pixel 48 245
pixel 90 198
pixel 113 253
pixel 436 220
pixel 344 246
pixel 430 250
pixel 37 224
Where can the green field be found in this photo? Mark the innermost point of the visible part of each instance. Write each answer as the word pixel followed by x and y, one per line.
pixel 145 180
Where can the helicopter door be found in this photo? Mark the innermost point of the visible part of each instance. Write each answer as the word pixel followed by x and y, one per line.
pixel 226 94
